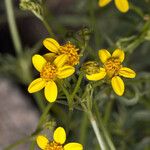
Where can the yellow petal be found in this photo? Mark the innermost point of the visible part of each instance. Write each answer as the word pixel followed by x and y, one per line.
pixel 118 53
pixel 50 91
pixel 104 55
pixel 127 72
pixel 122 5
pixel 49 56
pixel 42 141
pixel 36 85
pixel 65 71
pixel 97 76
pixel 73 146
pixel 60 60
pixel 118 85
pixel 59 135
pixel 103 3
pixel 51 44
pixel 38 62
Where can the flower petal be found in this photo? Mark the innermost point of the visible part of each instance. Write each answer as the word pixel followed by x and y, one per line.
pixel 59 135
pixel 50 91
pixel 127 72
pixel 61 60
pixel 73 146
pixel 42 141
pixel 97 76
pixel 65 71
pixel 122 5
pixel 118 53
pixel 38 62
pixel 51 44
pixel 49 56
pixel 104 55
pixel 103 3
pixel 118 85
pixel 36 85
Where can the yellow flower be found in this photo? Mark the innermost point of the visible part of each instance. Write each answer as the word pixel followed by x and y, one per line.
pixel 113 69
pixel 59 138
pixel 68 49
pixel 122 5
pixel 49 72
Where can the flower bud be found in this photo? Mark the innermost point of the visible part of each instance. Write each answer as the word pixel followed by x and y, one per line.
pixel 91 67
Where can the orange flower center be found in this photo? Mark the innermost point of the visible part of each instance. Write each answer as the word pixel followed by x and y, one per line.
pixel 53 146
pixel 112 67
pixel 48 72
pixel 71 51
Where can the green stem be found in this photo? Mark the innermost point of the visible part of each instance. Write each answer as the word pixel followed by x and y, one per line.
pixel 107 136
pixel 32 146
pixel 67 95
pixel 48 28
pixel 108 110
pixel 43 116
pixel 140 39
pixel 137 10
pixel 39 99
pixel 13 26
pixel 97 131
pixel 83 128
pixel 92 21
pixel 77 86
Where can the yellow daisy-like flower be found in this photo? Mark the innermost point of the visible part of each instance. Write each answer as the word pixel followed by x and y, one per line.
pixel 122 5
pixel 113 69
pixel 49 72
pixel 59 137
pixel 68 49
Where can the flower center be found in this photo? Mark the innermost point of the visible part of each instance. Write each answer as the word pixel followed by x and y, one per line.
pixel 112 67
pixel 48 72
pixel 53 146
pixel 71 51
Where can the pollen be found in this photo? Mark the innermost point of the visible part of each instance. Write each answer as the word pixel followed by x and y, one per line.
pixel 54 146
pixel 112 67
pixel 48 72
pixel 71 51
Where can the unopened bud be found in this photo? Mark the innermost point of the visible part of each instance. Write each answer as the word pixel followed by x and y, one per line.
pixel 91 67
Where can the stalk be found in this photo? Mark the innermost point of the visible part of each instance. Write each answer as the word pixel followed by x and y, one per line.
pixel 97 131
pixel 13 26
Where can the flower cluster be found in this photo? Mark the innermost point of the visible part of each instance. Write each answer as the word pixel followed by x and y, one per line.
pixel 58 64
pixel 59 138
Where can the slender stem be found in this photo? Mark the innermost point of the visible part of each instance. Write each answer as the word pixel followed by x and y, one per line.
pixel 32 146
pixel 83 128
pixel 108 110
pixel 48 27
pixel 67 95
pixel 39 99
pixel 92 21
pixel 44 114
pixel 97 131
pixel 13 26
pixel 107 136
pixel 77 86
